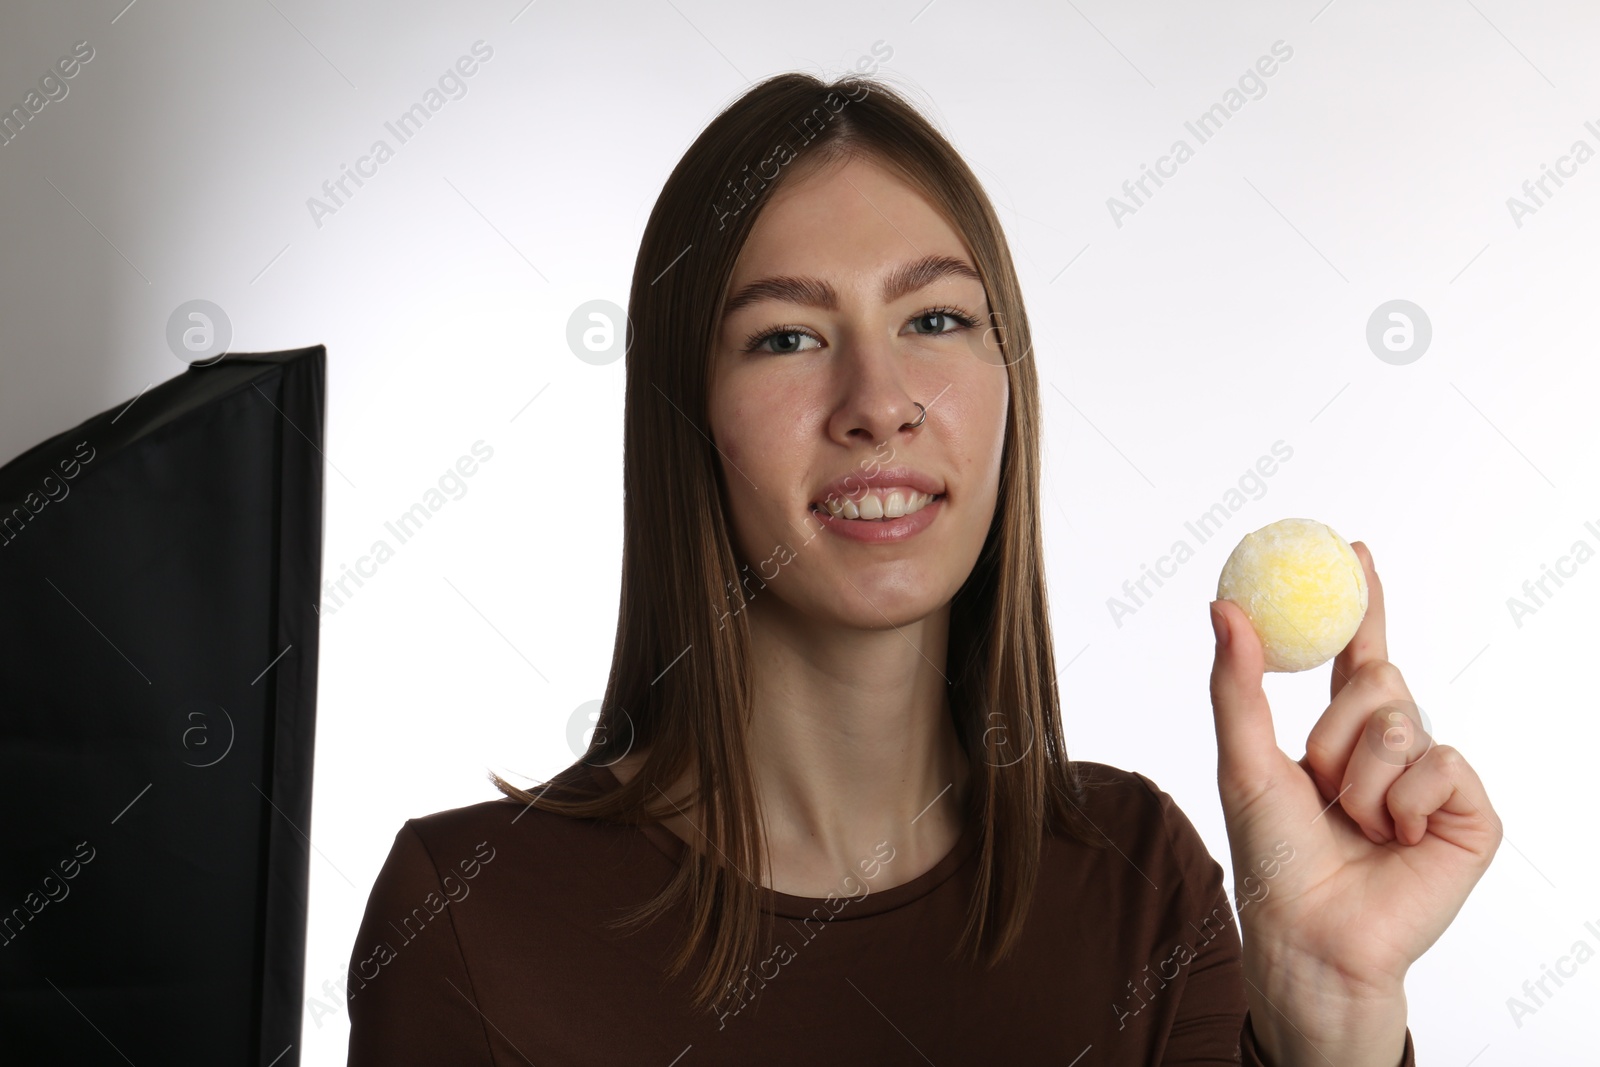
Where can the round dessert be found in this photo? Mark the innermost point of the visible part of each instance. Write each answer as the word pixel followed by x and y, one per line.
pixel 1303 588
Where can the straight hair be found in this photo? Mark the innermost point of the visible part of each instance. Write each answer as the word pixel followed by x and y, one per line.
pixel 680 678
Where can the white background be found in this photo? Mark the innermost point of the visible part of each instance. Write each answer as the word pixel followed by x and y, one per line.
pixel 1228 313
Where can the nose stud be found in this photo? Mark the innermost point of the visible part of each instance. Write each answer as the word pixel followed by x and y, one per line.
pixel 923 414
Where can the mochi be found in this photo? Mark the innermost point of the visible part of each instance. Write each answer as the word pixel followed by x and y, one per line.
pixel 1303 588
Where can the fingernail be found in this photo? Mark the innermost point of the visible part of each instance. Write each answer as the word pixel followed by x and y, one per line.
pixel 1220 626
pixel 1376 838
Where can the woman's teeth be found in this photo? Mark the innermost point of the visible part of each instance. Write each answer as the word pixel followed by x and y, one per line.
pixel 877 505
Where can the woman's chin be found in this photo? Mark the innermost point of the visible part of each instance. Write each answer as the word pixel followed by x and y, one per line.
pixel 877 602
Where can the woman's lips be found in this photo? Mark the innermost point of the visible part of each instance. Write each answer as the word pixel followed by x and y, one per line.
pixel 881 531
pixel 881 480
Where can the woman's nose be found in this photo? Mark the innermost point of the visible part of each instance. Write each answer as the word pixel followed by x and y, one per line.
pixel 875 399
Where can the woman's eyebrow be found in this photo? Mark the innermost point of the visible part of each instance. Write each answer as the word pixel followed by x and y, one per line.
pixel 808 291
pixel 910 277
pixel 813 292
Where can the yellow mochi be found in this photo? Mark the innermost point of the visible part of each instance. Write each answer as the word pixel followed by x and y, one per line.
pixel 1303 588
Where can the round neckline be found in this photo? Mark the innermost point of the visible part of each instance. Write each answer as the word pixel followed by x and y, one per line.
pixel 841 908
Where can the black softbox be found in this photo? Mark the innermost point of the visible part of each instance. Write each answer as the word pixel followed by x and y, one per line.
pixel 159 564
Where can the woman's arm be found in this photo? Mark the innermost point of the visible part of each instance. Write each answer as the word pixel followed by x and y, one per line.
pixel 409 995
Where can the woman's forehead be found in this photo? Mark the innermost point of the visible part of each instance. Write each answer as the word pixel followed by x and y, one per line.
pixel 852 222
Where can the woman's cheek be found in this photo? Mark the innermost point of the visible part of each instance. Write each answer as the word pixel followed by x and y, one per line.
pixel 727 433
pixel 741 433
pixel 759 433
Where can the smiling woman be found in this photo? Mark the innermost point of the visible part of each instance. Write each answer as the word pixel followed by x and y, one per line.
pixel 821 406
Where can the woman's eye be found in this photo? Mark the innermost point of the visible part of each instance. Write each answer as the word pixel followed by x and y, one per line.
pixel 784 342
pixel 933 322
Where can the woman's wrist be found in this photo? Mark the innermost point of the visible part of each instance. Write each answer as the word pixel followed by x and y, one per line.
pixel 1306 1014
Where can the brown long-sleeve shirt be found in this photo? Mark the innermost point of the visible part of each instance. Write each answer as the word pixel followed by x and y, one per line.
pixel 484 943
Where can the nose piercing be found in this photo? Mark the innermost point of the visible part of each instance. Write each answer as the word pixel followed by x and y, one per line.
pixel 923 415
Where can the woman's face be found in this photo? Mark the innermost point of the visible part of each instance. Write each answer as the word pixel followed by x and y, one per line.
pixel 851 299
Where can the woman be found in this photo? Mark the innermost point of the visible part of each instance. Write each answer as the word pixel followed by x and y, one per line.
pixel 827 814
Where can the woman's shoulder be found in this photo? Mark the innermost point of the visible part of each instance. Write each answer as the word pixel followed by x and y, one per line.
pixel 460 886
pixel 476 827
pixel 1144 822
pixel 1121 791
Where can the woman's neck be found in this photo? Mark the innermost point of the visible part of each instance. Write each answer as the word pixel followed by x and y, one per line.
pixel 852 745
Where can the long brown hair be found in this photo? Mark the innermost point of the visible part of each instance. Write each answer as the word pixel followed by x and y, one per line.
pixel 680 670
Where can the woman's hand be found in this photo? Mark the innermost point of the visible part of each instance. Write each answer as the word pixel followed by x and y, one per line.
pixel 1389 833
